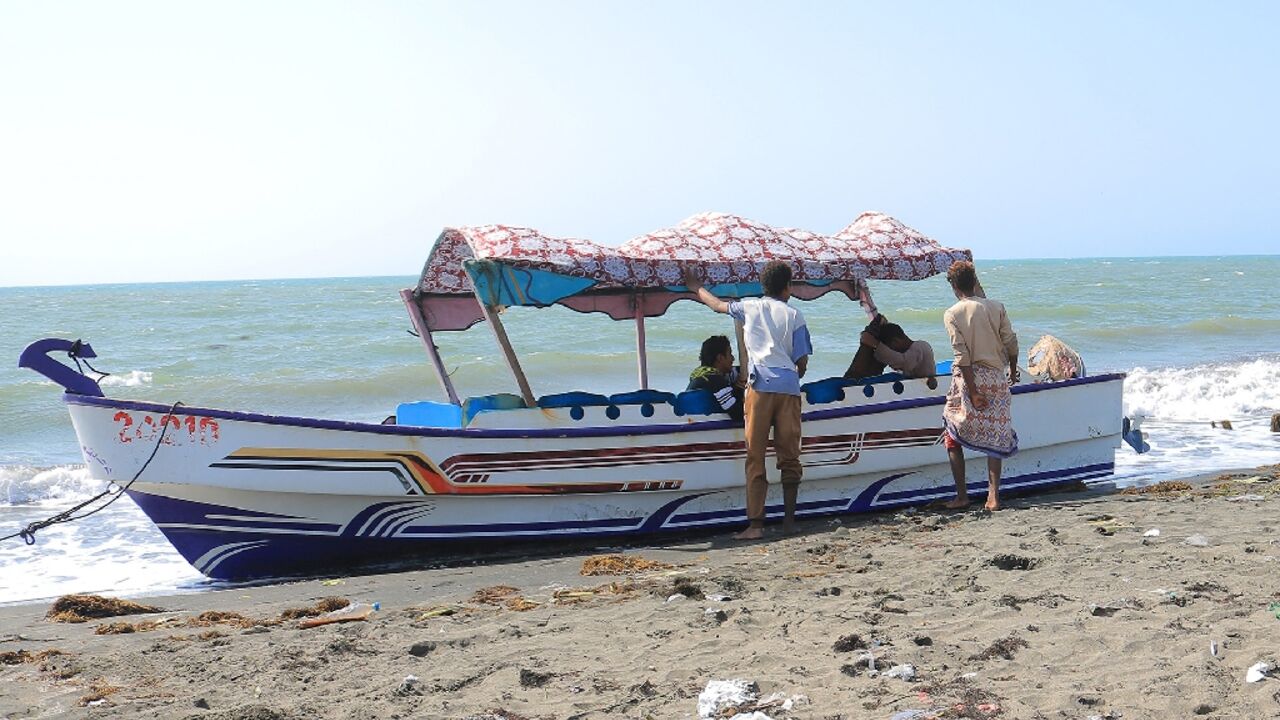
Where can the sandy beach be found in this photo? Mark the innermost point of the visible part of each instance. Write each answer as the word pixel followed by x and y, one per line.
pixel 1061 606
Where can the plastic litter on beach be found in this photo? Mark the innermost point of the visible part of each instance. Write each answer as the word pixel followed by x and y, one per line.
pixel 350 613
pixel 1248 497
pixel 1274 609
pixel 720 695
pixel 1153 532
pixel 1257 672
pixel 1197 541
pixel 437 611
pixel 902 672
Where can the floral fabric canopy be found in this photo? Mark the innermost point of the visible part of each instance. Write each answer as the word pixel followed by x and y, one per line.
pixel 520 266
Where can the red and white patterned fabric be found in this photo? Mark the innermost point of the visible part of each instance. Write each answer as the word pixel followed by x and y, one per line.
pixel 722 248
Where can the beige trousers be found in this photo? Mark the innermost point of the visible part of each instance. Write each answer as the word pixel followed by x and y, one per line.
pixel 780 413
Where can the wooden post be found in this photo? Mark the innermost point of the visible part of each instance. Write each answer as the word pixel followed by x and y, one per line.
pixel 641 354
pixel 424 334
pixel 499 332
pixel 1275 423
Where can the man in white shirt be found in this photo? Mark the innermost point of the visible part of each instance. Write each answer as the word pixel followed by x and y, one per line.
pixel 778 349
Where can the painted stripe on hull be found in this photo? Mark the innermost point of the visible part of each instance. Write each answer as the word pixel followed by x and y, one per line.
pixel 255 549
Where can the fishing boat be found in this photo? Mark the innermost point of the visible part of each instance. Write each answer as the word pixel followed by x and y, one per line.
pixel 248 494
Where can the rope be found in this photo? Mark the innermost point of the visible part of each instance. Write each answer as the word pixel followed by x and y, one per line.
pixel 28 534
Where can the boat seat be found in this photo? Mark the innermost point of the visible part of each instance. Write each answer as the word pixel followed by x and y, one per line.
pixel 428 413
pixel 829 390
pixel 477 404
pixel 646 399
pixel 697 402
pixel 640 397
pixel 575 398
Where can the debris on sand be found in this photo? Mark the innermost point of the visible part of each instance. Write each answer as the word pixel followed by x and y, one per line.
pixel 322 606
pixel 575 595
pixel 1167 487
pixel 519 604
pixel 724 698
pixel 22 656
pixel 1257 672
pixel 98 691
pixel 535 678
pixel 618 564
pixel 1007 561
pixel 848 643
pixel 494 595
pixel 82 608
pixel 687 587
pixel 1002 648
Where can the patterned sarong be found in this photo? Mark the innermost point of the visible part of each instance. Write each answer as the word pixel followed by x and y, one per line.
pixel 989 430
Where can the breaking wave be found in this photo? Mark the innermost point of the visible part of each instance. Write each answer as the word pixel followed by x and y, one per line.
pixel 1229 391
pixel 133 378
pixel 30 485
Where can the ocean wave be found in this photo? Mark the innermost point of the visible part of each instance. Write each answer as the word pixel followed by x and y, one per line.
pixel 133 378
pixel 30 485
pixel 1230 391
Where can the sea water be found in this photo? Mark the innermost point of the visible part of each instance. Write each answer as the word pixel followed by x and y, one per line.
pixel 1198 337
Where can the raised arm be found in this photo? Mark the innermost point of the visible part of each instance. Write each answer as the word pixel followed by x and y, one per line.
pixel 704 295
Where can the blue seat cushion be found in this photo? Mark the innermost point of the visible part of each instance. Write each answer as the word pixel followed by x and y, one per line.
pixel 639 397
pixel 427 413
pixel 575 398
pixel 497 401
pixel 697 402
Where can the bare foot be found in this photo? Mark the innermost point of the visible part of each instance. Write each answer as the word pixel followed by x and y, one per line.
pixel 751 533
pixel 959 503
pixel 992 505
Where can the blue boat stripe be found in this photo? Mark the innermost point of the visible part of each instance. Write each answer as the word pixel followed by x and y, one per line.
pixel 246 547
pixel 1029 478
pixel 390 517
pixel 359 524
pixel 520 527
pixel 394 528
pixel 741 512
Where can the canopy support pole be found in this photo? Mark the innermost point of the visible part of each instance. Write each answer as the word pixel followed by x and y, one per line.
pixel 499 332
pixel 641 355
pixel 424 334
pixel 743 363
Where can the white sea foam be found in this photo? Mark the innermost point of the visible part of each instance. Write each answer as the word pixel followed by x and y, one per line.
pixel 133 378
pixel 1234 391
pixel 116 552
pixel 1179 407
pixel 27 485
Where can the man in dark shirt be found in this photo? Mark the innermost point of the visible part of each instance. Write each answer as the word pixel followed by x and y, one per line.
pixel 718 374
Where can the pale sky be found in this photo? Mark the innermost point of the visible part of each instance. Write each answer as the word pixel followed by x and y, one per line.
pixel 220 140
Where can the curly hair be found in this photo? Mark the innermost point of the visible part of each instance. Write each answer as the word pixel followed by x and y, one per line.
pixel 962 276
pixel 775 277
pixel 712 348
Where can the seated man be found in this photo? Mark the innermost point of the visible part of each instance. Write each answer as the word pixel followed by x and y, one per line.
pixel 865 363
pixel 912 358
pixel 718 374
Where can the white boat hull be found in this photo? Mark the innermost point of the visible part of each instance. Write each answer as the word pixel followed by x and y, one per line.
pixel 243 495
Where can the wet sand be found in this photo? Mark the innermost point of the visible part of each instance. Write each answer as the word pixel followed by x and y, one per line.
pixel 1059 606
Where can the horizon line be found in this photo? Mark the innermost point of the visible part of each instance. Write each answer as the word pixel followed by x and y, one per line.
pixel 39 286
